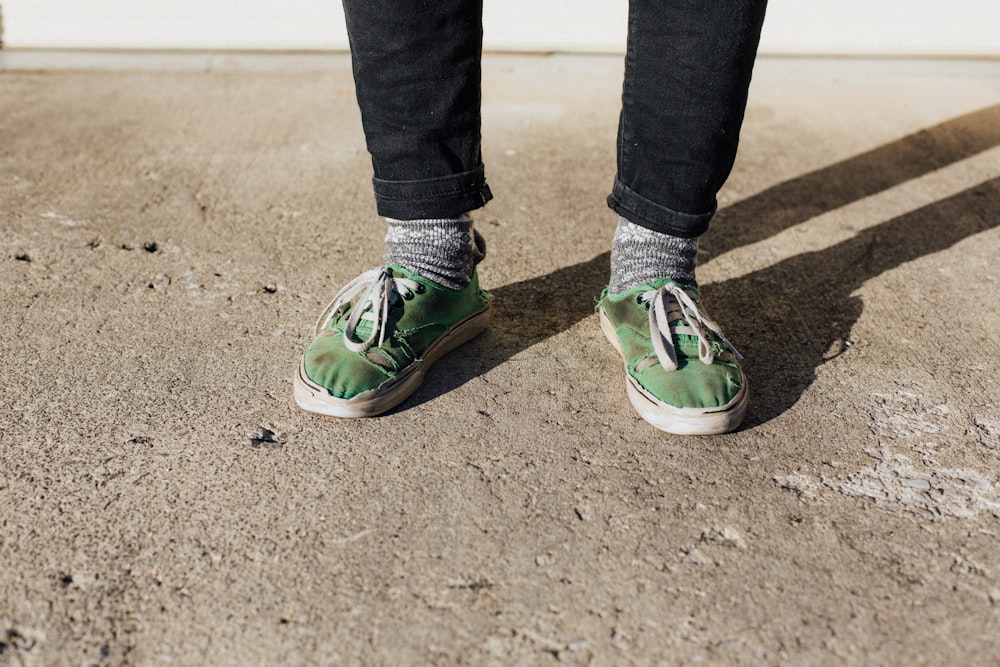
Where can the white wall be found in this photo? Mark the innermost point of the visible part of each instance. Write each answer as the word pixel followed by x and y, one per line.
pixel 921 27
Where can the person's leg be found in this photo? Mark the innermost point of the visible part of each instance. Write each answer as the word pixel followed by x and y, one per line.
pixel 417 76
pixel 688 68
pixel 687 71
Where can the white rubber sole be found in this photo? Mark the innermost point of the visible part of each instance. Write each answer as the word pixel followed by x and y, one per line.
pixel 314 398
pixel 679 421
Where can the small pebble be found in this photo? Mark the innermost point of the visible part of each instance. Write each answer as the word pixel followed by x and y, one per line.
pixel 265 438
pixel 693 557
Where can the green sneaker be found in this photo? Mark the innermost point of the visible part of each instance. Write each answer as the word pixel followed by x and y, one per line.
pixel 379 335
pixel 681 373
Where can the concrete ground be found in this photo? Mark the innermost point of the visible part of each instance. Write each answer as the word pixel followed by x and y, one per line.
pixel 172 225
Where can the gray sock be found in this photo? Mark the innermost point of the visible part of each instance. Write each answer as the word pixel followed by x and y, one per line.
pixel 444 250
pixel 640 256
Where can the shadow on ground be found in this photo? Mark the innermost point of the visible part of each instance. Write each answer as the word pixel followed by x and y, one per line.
pixel 794 316
pixel 789 318
pixel 795 201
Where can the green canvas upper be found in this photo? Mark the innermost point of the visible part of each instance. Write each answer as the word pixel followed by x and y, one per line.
pixel 694 383
pixel 416 319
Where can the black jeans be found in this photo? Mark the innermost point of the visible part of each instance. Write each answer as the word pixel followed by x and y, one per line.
pixel 687 70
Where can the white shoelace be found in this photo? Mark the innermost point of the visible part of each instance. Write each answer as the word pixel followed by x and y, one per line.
pixel 671 303
pixel 372 293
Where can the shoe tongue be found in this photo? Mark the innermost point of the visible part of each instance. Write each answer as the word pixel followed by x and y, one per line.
pixel 685 338
pixel 675 315
pixel 363 329
pixel 366 325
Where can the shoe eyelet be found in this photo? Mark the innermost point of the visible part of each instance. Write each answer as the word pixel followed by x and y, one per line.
pixel 638 299
pixel 420 289
pixel 646 305
pixel 408 296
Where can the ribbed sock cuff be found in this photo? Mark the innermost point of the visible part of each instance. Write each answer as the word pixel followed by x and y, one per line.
pixel 445 250
pixel 640 256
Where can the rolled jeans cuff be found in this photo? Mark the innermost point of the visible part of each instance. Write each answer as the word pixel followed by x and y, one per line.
pixel 645 213
pixel 445 197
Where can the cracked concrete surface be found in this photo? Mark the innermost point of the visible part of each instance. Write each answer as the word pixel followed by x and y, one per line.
pixel 172 226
